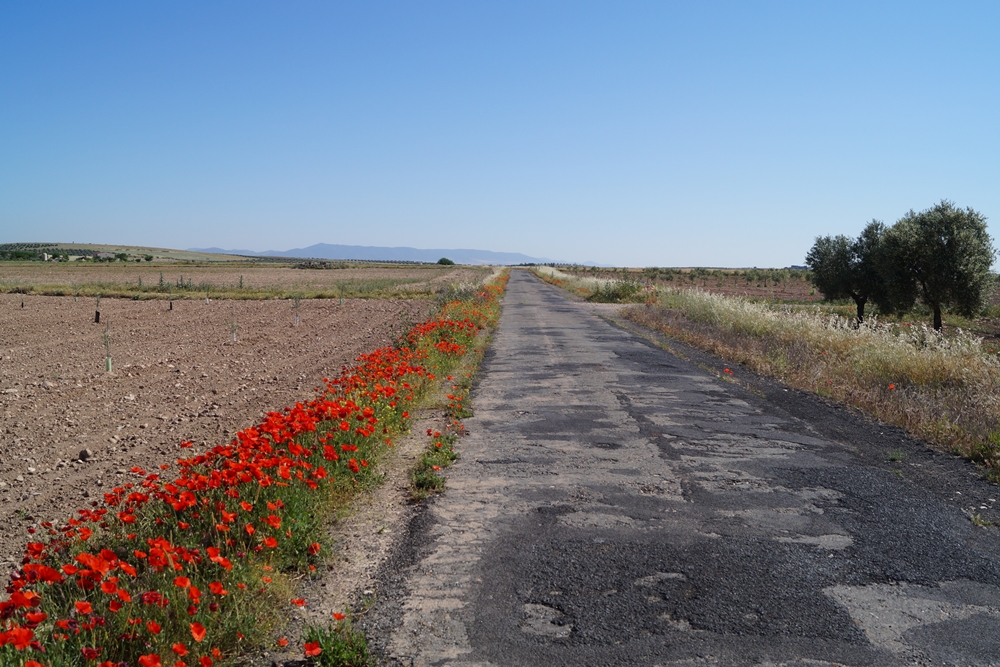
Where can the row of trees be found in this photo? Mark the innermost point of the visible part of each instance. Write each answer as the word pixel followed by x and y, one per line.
pixel 940 257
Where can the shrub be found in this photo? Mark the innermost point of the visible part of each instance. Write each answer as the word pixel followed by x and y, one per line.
pixel 617 291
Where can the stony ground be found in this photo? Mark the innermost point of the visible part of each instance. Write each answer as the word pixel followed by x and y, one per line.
pixel 177 375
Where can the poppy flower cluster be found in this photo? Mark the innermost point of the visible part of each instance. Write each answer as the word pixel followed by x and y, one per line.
pixel 172 570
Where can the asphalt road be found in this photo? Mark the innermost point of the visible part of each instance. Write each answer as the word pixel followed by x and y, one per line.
pixel 617 504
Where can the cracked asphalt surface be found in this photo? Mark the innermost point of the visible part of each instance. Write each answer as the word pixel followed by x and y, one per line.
pixel 617 504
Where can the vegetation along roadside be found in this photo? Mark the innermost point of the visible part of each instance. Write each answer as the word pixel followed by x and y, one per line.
pixel 197 566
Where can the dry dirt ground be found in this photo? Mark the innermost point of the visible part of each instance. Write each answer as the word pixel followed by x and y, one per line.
pixel 254 277
pixel 178 375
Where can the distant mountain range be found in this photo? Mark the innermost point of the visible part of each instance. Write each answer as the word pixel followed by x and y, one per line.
pixel 333 251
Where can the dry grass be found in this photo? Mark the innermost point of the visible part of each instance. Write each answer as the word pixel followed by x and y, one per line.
pixel 945 389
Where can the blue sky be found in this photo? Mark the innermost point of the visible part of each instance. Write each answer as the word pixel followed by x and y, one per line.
pixel 668 134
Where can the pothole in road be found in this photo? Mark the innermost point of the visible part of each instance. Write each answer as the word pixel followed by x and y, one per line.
pixel 654 579
pixel 831 541
pixel 676 623
pixel 542 620
pixel 599 520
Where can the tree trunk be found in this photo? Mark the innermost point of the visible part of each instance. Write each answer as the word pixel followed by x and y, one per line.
pixel 937 318
pixel 860 301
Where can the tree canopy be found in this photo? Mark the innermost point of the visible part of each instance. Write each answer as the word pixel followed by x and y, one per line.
pixel 844 267
pixel 941 257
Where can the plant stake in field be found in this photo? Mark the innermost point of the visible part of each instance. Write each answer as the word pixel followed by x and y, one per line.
pixel 97 312
pixel 231 323
pixel 107 347
pixel 296 302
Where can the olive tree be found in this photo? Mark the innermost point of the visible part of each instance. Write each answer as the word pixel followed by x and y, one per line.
pixel 941 257
pixel 843 267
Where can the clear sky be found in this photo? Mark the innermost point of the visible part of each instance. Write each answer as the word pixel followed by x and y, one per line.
pixel 627 133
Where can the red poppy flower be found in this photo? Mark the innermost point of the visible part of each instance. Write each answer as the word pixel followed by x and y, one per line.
pixel 198 631
pixel 179 649
pixel 20 638
pixel 83 608
pixel 151 660
pixel 312 648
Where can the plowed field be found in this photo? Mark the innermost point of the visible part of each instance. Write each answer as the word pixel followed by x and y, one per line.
pixel 252 280
pixel 177 375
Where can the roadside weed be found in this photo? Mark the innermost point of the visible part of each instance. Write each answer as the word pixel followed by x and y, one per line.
pixel 337 646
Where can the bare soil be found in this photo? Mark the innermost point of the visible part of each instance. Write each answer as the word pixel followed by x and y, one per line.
pixel 792 290
pixel 177 375
pixel 13 274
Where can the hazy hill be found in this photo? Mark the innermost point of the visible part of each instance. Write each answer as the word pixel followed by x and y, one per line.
pixel 333 251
